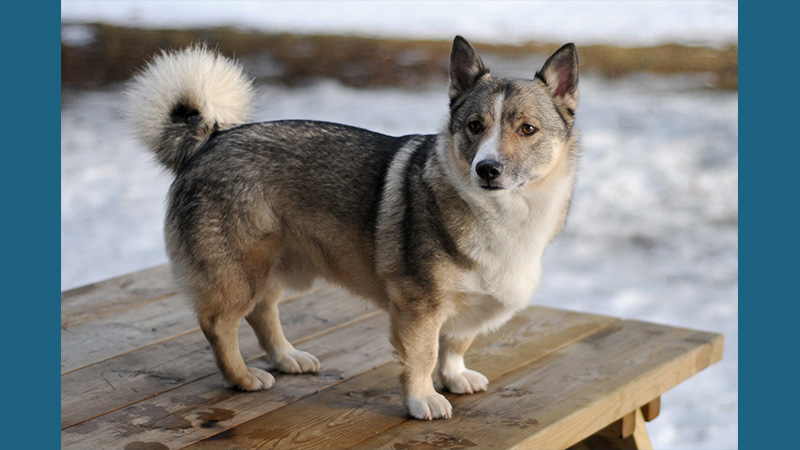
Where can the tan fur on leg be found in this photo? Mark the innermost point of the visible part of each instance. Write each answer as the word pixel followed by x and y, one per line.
pixel 455 375
pixel 223 335
pixel 415 337
pixel 266 323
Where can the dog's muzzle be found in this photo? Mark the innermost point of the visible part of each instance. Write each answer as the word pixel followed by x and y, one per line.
pixel 488 170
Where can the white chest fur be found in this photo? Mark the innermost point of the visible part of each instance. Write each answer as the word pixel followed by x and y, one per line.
pixel 508 247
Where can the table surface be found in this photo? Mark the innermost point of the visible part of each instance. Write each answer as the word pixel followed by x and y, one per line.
pixel 137 373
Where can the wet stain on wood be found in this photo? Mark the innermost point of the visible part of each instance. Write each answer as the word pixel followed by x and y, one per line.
pixel 187 400
pixel 172 422
pixel 143 417
pixel 214 416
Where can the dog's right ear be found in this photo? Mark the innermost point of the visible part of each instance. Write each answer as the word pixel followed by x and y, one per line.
pixel 466 67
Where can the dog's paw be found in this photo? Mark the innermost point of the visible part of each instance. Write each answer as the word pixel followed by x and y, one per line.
pixel 429 407
pixel 466 382
pixel 257 380
pixel 297 361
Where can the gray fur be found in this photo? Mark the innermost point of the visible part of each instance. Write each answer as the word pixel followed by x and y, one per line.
pixel 402 221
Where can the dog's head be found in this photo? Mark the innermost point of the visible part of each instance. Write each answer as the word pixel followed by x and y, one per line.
pixel 509 133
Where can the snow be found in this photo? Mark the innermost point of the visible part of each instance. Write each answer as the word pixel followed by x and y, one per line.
pixel 653 229
pixel 583 22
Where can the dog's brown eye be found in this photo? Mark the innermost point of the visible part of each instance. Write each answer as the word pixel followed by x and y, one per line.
pixel 527 129
pixel 475 126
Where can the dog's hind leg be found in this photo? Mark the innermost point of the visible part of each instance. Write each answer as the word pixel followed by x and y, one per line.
pixel 219 311
pixel 455 375
pixel 264 319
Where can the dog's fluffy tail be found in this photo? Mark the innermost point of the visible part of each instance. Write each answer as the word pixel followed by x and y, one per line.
pixel 178 99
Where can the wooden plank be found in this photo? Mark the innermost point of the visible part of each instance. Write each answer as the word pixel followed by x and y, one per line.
pixel 125 329
pixel 93 341
pixel 166 365
pixel 203 408
pixel 570 394
pixel 646 371
pixel 530 335
pixel 115 295
pixel 370 404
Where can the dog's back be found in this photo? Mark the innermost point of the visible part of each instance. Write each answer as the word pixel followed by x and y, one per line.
pixel 315 186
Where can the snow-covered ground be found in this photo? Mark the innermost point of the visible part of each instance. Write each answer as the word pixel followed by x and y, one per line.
pixel 653 231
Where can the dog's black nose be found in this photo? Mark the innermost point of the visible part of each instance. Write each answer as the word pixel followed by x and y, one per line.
pixel 488 169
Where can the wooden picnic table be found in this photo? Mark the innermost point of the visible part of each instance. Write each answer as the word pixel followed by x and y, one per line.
pixel 137 373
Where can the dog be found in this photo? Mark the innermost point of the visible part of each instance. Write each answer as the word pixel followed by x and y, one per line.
pixel 446 232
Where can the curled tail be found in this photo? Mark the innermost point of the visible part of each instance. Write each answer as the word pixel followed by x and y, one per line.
pixel 178 99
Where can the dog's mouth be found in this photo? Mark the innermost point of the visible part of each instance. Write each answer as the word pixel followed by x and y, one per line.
pixel 489 187
pixel 495 187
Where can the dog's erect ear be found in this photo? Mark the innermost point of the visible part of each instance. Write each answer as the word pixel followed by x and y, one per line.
pixel 560 74
pixel 466 67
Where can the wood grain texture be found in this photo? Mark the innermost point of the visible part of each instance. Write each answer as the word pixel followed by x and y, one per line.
pixel 137 374
pixel 203 408
pixel 370 404
pixel 115 295
pixel 171 363
pixel 112 317
pixel 568 395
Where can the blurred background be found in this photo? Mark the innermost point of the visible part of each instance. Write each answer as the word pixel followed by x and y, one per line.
pixel 653 230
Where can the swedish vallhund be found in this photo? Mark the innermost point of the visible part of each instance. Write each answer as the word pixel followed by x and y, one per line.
pixel 445 231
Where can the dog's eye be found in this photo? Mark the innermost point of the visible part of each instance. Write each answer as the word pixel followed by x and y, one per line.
pixel 475 126
pixel 527 129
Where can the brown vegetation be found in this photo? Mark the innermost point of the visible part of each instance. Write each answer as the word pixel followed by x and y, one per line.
pixel 114 53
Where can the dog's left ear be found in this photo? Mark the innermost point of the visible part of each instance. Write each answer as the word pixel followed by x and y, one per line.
pixel 560 74
pixel 466 68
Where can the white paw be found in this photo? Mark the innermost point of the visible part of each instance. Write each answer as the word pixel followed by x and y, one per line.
pixel 297 361
pixel 258 380
pixel 466 382
pixel 429 407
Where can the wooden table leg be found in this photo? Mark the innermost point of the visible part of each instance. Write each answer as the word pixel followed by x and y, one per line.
pixel 628 433
pixel 640 437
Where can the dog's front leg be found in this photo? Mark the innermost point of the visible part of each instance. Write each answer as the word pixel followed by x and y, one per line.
pixel 415 332
pixel 455 375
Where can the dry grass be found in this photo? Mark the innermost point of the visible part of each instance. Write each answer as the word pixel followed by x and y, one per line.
pixel 116 52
